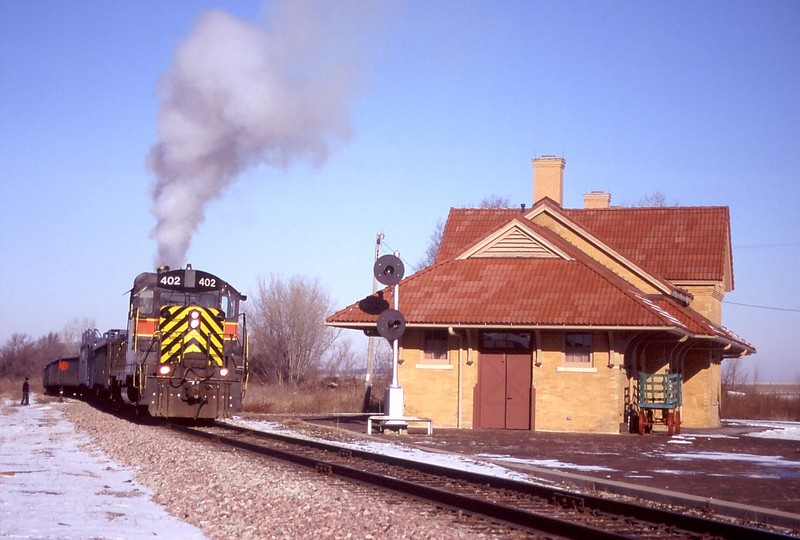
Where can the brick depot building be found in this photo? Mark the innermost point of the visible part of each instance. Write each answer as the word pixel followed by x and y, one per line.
pixel 542 318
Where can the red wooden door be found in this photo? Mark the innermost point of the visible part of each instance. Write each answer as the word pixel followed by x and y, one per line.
pixel 518 391
pixel 491 390
pixel 504 391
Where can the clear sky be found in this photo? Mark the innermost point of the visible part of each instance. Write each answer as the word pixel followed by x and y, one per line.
pixel 380 116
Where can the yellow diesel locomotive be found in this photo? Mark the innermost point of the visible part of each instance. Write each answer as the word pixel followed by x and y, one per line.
pixel 183 354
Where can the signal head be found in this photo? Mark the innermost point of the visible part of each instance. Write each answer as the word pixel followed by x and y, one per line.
pixel 389 270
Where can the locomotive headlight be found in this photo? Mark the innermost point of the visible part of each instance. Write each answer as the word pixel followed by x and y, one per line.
pixel 164 370
pixel 194 323
pixel 223 372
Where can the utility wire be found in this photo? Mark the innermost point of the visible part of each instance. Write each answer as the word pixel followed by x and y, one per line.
pixel 762 307
pixel 385 247
pixel 776 245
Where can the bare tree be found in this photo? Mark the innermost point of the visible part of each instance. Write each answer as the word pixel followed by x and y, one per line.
pixel 732 374
pixel 73 330
pixel 654 200
pixel 342 360
pixel 433 246
pixel 21 356
pixel 491 201
pixel 15 355
pixel 495 201
pixel 290 340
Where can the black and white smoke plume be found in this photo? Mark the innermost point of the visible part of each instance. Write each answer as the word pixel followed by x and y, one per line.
pixel 239 94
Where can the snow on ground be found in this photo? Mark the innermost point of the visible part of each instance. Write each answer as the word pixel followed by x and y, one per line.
pixel 55 485
pixel 776 430
pixel 789 431
pixel 452 461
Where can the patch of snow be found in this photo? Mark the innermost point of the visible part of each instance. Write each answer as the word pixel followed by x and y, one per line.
pixel 452 461
pixel 550 463
pixel 675 472
pixel 56 485
pixel 770 429
pixel 680 440
pixel 777 461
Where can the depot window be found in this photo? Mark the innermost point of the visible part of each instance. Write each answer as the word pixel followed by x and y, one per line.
pixel 435 345
pixel 578 349
pixel 506 342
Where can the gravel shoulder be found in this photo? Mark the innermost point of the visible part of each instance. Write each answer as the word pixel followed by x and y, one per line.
pixel 229 494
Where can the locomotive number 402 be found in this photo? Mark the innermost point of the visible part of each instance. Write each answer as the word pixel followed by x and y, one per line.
pixel 207 282
pixel 178 280
pixel 174 281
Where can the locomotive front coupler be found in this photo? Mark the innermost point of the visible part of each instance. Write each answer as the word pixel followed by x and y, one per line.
pixel 194 392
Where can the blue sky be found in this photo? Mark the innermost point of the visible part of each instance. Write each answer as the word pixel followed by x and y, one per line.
pixel 445 103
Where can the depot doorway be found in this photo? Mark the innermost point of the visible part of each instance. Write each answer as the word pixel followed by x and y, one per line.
pixel 504 393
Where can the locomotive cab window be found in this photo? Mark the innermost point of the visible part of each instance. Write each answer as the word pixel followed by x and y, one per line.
pixel 143 300
pixel 228 305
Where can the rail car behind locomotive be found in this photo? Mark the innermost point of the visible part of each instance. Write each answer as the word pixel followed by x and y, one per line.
pixel 61 375
pixel 183 354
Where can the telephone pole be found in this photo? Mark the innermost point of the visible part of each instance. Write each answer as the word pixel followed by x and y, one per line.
pixel 371 348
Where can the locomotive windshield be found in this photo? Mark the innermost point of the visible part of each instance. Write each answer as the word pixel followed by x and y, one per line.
pixel 175 298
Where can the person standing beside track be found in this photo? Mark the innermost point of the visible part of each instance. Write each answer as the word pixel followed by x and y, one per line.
pixel 25 392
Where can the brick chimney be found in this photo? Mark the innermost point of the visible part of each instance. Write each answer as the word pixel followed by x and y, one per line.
pixel 548 178
pixel 597 199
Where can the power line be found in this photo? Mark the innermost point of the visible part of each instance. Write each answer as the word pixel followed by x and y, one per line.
pixel 762 307
pixel 774 245
pixel 392 251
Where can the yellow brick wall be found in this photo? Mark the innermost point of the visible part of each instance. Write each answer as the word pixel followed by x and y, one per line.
pixel 585 400
pixel 707 299
pixel 701 390
pixel 431 389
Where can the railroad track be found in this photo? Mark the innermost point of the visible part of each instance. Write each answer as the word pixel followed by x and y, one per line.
pixel 523 506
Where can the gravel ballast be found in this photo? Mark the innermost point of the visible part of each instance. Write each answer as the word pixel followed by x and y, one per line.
pixel 229 494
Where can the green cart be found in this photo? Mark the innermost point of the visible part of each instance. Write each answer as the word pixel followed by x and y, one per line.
pixel 659 402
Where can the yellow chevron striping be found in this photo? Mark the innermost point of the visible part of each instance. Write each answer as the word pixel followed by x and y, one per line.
pixel 179 339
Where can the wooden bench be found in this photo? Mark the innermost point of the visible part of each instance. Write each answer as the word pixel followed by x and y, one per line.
pixel 401 422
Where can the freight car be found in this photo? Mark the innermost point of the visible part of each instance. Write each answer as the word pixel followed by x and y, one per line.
pixel 61 376
pixel 183 354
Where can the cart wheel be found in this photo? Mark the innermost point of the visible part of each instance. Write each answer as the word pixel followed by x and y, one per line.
pixel 642 422
pixel 677 422
pixel 670 423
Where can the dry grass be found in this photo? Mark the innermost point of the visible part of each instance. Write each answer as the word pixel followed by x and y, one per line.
pixel 289 399
pixel 11 387
pixel 346 397
pixel 762 402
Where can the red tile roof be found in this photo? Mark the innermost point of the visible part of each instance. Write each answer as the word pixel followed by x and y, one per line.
pixel 677 243
pixel 569 291
pixel 465 226
pixel 520 292
pixel 680 243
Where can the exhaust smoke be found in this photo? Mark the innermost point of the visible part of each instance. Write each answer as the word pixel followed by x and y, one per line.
pixel 240 94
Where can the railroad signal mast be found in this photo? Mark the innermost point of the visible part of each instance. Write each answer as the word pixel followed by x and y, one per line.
pixel 389 270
